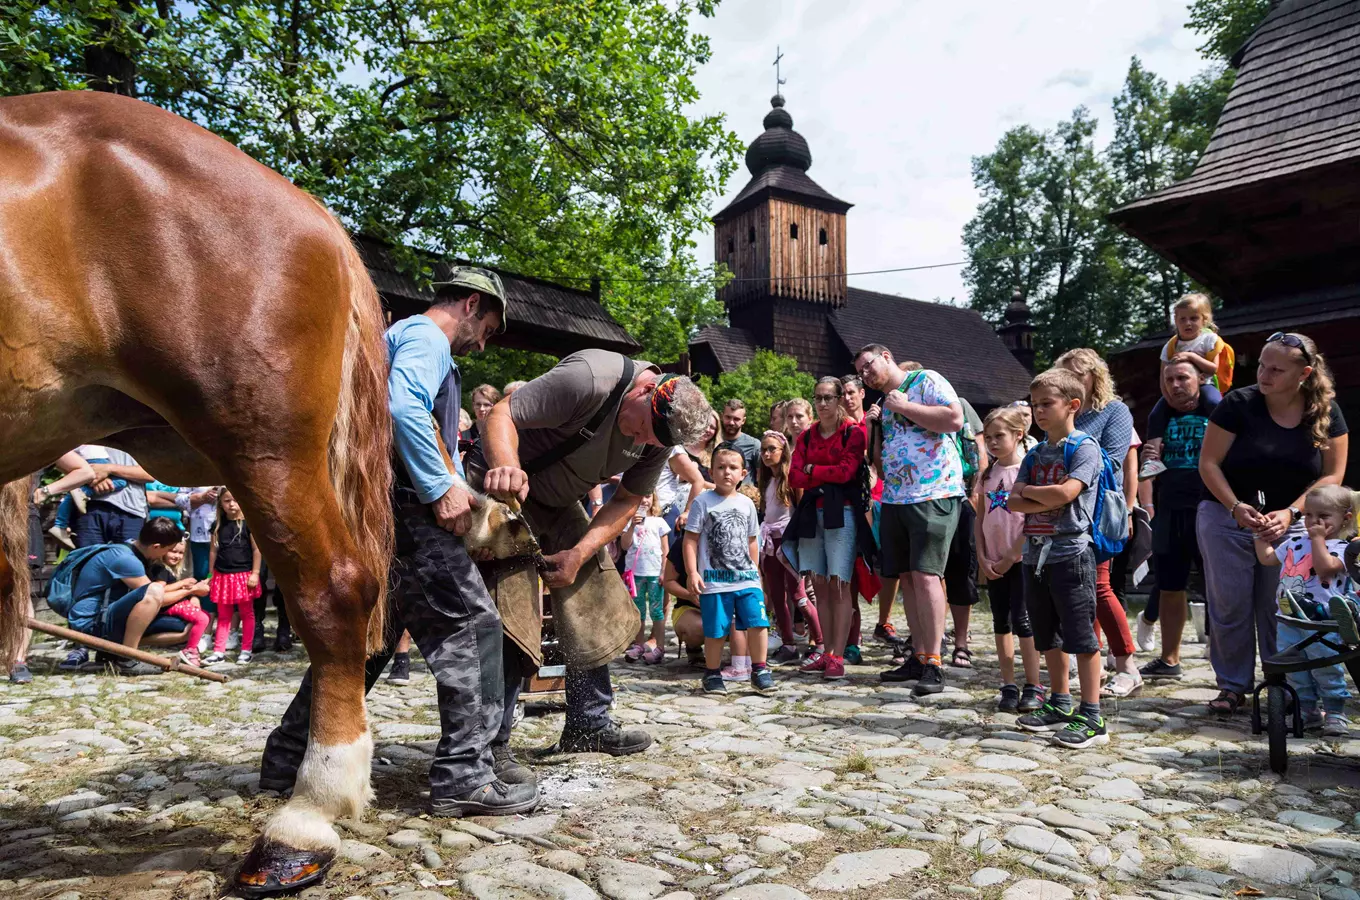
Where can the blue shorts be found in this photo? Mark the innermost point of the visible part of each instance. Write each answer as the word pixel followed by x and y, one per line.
pixel 831 553
pixel 747 606
pixel 113 622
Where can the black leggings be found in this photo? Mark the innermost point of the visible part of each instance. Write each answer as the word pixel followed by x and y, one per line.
pixel 1007 594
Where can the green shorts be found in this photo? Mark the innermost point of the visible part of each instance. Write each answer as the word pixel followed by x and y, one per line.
pixel 915 537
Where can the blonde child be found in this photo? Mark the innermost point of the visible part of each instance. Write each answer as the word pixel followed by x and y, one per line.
pixel 783 587
pixel 173 571
pixel 1312 573
pixel 1197 342
pixel 645 545
pixel 1000 544
pixel 235 562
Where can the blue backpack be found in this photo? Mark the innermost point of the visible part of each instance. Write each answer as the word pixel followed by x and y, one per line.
pixel 1110 518
pixel 61 589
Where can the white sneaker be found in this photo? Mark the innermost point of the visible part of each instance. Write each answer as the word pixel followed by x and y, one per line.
pixel 213 659
pixel 63 535
pixel 1122 685
pixel 234 640
pixel 1146 639
pixel 243 657
pixel 1151 469
pixel 204 643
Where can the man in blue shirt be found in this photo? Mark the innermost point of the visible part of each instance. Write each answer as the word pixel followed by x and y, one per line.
pixel 441 600
pixel 114 598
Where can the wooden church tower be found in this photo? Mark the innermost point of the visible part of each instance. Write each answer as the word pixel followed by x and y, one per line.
pixel 783 237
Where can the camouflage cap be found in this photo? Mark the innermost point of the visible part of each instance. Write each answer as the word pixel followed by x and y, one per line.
pixel 483 281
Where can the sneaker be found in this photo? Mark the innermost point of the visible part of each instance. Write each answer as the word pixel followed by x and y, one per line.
pixel 762 680
pixel 1312 718
pixel 815 662
pixel 19 674
pixel 1009 701
pixel 853 656
pixel 1346 627
pixel 910 670
pixel 81 501
pixel 74 660
pixel 1122 685
pixel 509 769
pixel 930 682
pixel 609 738
pixel 1146 638
pixel 1031 698
pixel 714 683
pixel 653 655
pixel 244 657
pixel 189 656
pixel 1151 468
pixel 494 799
pixel 204 643
pixel 732 673
pixel 1161 669
pixel 1046 718
pixel 634 653
pixel 834 668
pixel 214 658
pixel 887 634
pixel 234 640
pixel 784 655
pixel 63 535
pixel 401 670
pixel 1336 725
pixel 130 668
pixel 1082 732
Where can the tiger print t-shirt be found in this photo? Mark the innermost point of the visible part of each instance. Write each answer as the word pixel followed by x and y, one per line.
pixel 725 526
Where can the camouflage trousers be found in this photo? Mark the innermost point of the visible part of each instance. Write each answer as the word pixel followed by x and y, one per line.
pixel 437 594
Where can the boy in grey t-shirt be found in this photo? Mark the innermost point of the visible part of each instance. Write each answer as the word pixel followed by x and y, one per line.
pixel 720 560
pixel 1057 496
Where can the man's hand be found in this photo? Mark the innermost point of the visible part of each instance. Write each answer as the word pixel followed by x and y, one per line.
pixel 896 401
pixel 874 413
pixel 562 568
pixel 453 511
pixel 506 481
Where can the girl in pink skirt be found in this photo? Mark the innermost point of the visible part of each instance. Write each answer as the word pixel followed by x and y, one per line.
pixel 235 562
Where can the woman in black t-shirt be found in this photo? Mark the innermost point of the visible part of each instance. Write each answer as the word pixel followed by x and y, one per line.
pixel 1264 448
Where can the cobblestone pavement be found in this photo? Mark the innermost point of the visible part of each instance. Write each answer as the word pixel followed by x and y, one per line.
pixel 147 788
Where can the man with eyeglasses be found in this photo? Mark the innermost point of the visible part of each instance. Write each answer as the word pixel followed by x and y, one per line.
pixel 923 489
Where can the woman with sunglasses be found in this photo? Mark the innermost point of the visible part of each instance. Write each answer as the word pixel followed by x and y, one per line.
pixel 1265 447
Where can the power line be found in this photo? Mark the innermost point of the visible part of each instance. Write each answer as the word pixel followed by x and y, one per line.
pixel 710 280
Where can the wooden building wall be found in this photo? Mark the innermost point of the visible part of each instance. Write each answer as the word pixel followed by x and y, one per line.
pixel 801 330
pixel 776 263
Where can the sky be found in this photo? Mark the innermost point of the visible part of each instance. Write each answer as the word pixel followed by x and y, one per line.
pixel 895 97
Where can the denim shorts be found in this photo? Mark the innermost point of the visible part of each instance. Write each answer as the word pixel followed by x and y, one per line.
pixel 113 622
pixel 746 607
pixel 831 553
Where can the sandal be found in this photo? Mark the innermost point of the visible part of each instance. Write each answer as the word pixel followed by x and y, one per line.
pixel 963 658
pixel 1226 703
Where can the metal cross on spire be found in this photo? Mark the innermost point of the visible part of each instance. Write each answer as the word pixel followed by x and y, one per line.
pixel 778 81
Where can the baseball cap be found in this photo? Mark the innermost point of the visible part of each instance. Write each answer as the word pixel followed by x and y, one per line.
pixel 483 281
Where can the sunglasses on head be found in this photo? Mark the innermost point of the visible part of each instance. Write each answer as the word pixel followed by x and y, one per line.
pixel 1291 340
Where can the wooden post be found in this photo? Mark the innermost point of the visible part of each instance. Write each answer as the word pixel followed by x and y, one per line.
pixel 168 663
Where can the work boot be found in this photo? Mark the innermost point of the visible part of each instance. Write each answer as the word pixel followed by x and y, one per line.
pixel 495 798
pixel 509 769
pixel 609 739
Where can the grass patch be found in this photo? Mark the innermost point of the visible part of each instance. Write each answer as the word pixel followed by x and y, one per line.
pixel 856 762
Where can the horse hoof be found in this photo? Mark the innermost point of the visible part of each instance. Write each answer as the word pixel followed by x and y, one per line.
pixel 272 868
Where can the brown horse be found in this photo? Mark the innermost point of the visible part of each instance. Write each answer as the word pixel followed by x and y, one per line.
pixel 163 293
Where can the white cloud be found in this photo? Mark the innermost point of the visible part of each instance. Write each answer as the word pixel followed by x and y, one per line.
pixel 895 97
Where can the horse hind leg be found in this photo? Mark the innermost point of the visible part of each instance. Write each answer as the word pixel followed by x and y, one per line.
pixel 330 597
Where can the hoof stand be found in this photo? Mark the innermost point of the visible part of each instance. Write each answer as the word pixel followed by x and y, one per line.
pixel 273 868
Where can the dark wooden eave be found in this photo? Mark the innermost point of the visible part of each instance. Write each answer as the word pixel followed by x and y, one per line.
pixel 544 317
pixel 1272 205
pixel 787 183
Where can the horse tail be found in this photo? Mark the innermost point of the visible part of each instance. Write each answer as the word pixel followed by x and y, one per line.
pixel 14 573
pixel 360 445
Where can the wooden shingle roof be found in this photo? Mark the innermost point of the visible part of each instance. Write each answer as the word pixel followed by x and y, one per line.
pixel 1295 103
pixel 954 341
pixel 1270 208
pixel 544 316
pixel 730 346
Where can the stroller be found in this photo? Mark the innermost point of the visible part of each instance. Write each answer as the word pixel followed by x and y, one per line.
pixel 1340 634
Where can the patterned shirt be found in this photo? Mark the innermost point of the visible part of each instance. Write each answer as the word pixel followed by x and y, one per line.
pixel 920 465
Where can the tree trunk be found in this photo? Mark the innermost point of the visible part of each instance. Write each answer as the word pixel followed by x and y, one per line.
pixel 109 68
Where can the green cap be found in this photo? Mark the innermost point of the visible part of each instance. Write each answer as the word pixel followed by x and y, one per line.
pixel 483 281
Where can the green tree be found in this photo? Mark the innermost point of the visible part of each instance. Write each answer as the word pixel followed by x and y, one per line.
pixel 549 137
pixel 1225 25
pixel 760 383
